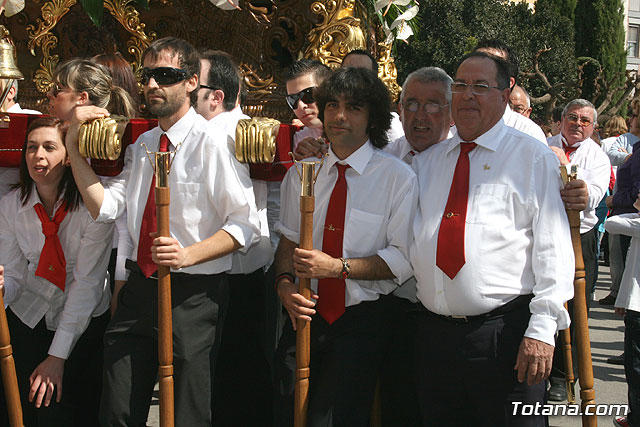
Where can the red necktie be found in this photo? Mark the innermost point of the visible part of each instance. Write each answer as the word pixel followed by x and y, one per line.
pixel 569 149
pixel 450 254
pixel 149 223
pixel 332 291
pixel 52 265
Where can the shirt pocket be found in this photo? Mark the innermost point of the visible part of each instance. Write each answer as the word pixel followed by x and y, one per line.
pixel 488 204
pixel 361 231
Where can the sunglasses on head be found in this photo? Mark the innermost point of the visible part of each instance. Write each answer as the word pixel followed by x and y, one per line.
pixel 163 75
pixel 306 95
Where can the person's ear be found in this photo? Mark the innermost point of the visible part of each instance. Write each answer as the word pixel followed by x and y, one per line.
pixel 83 98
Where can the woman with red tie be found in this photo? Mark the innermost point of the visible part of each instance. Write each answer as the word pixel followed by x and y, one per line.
pixel 55 261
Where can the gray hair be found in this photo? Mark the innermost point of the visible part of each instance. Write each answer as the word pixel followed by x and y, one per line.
pixel 428 75
pixel 580 103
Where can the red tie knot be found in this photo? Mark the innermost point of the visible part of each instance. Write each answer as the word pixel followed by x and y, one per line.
pixel 164 143
pixel 466 147
pixel 50 229
pixel 342 169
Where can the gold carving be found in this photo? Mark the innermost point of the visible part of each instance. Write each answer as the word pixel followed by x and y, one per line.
pixel 256 140
pixel 387 69
pixel 338 33
pixel 129 18
pixel 52 12
pixel 101 138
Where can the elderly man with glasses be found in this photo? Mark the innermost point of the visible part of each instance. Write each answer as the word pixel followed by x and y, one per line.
pixel 574 147
pixel 492 259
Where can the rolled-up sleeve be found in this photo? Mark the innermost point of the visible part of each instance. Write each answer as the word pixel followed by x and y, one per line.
pixel 86 290
pixel 115 188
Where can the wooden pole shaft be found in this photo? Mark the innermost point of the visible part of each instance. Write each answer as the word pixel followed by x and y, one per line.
pixel 8 369
pixel 303 328
pixel 165 326
pixel 581 325
pixel 568 362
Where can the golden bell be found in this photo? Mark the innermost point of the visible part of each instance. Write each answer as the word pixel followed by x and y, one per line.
pixel 8 59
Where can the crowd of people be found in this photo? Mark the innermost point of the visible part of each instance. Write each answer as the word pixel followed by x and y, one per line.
pixel 442 255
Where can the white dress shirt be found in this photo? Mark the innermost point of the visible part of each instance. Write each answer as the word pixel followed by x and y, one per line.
pixel 207 194
pixel 629 225
pixel 381 202
pixel 401 149
pixel 261 253
pixel 8 178
pixel 15 108
pixel 523 124
pixel 621 147
pixel 593 168
pixel 517 239
pixel 86 245
pixel 395 130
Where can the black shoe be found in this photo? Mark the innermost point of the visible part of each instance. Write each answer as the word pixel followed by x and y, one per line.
pixel 558 390
pixel 608 300
pixel 616 360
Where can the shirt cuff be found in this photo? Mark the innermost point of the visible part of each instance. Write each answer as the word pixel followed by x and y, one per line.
pixel 241 233
pixel 121 272
pixel 10 292
pixel 62 344
pixel 543 328
pixel 291 235
pixel 397 263
pixel 108 210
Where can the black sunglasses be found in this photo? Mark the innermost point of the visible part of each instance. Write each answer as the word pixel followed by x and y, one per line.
pixel 209 87
pixel 163 75
pixel 306 95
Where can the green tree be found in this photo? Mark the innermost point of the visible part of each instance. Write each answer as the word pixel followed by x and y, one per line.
pixel 599 34
pixel 564 8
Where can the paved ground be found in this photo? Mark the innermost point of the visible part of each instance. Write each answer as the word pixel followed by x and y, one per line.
pixel 606 333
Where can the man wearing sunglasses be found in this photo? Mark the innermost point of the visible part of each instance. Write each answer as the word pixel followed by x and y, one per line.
pixel 211 215
pixel 492 257
pixel 242 359
pixel 574 147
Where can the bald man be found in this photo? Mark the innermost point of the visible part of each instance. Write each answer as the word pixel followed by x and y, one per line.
pixel 519 101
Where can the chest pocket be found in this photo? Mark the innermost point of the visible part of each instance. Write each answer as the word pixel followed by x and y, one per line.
pixel 488 204
pixel 361 231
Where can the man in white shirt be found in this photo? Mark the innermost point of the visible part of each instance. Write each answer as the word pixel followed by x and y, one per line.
pixel 574 147
pixel 492 258
pixel 360 254
pixel 511 118
pixel 241 359
pixel 211 215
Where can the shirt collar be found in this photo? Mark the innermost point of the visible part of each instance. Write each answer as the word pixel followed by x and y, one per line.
pixel 180 129
pixel 490 140
pixel 358 160
pixel 405 147
pixel 34 199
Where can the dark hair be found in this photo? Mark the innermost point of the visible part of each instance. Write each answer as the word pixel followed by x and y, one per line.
pixel 188 57
pixel 121 73
pixel 308 66
pixel 556 114
pixel 363 87
pixel 374 63
pixel 67 183
pixel 502 66
pixel 83 75
pixel 224 75
pixel 509 53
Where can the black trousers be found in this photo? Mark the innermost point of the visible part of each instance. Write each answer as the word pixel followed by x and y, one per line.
pixel 81 381
pixel 398 394
pixel 589 256
pixel 465 372
pixel 345 360
pixel 131 349
pixel 243 373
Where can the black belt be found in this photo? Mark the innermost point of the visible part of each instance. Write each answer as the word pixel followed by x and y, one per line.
pixel 134 268
pixel 519 302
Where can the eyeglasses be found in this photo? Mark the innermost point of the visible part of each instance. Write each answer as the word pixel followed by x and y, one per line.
pixel 56 89
pixel 476 88
pixel 414 107
pixel 209 87
pixel 584 121
pixel 164 76
pixel 306 95
pixel 519 108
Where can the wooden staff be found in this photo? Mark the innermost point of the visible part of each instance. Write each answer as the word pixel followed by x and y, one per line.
pixel 568 362
pixel 580 319
pixel 8 368
pixel 165 326
pixel 303 328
